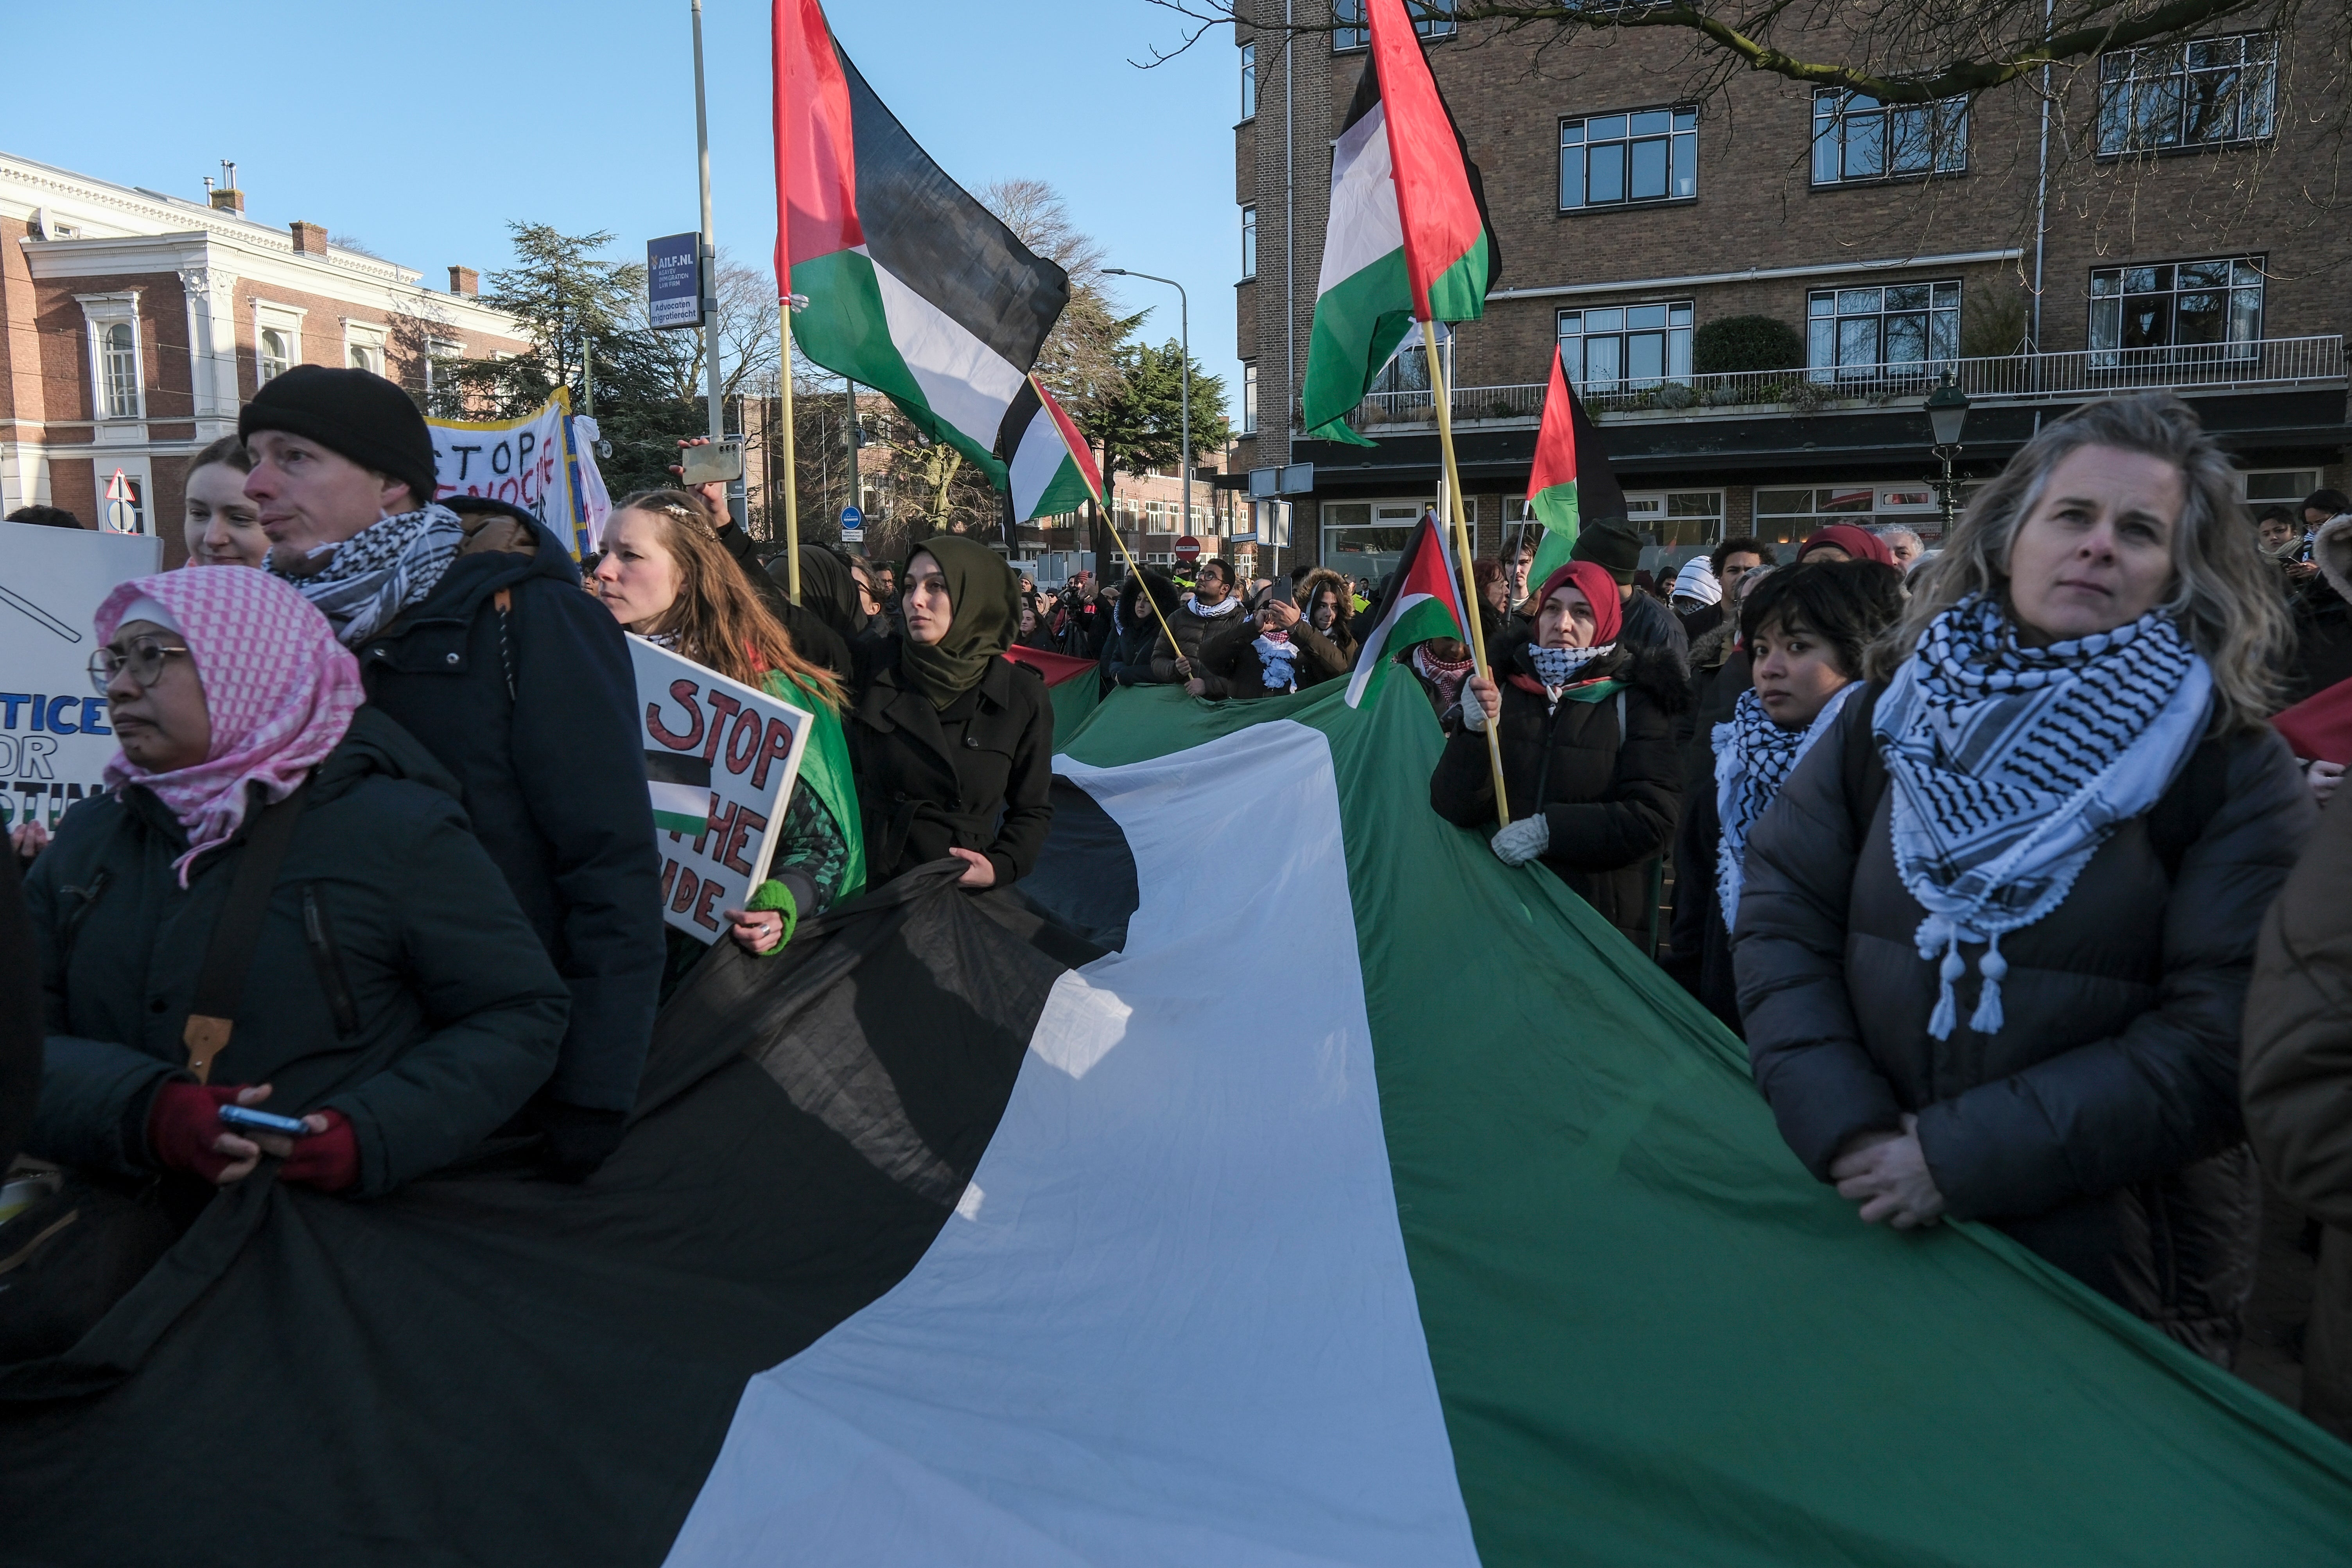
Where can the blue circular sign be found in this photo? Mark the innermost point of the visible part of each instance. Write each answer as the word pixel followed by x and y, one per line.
pixel 852 518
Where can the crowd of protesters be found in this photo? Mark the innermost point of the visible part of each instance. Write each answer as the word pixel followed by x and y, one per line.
pixel 1980 851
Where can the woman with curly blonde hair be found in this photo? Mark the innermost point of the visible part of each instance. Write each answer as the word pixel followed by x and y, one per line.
pixel 667 577
pixel 1995 933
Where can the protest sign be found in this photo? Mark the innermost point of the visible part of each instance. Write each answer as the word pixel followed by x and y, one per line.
pixel 534 462
pixel 55 741
pixel 720 762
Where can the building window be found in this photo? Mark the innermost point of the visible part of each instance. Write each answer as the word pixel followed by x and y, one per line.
pixel 1683 522
pixel 1249 81
pixel 1249 242
pixel 2192 308
pixel 277 352
pixel 1858 138
pixel 1855 330
pixel 2203 93
pixel 1432 19
pixel 368 357
pixel 118 360
pixel 2280 486
pixel 1627 347
pixel 1613 160
pixel 1249 397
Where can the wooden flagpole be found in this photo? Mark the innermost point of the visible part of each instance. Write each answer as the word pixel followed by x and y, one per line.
pixel 1451 512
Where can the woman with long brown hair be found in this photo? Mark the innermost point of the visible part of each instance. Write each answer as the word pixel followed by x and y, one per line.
pixel 666 576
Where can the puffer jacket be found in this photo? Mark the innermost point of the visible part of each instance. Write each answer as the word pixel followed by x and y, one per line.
pixel 1229 658
pixel 1342 634
pixel 1607 787
pixel 2298 1088
pixel 396 979
pixel 2100 1126
pixel 1193 630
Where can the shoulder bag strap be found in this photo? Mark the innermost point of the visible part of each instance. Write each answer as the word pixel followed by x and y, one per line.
pixel 229 954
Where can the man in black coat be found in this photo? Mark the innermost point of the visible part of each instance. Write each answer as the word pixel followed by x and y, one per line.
pixel 475 636
pixel 1649 626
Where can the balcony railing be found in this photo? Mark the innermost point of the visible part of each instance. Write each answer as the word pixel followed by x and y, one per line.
pixel 2013 378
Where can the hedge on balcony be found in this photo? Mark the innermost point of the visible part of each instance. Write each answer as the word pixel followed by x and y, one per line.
pixel 1746 343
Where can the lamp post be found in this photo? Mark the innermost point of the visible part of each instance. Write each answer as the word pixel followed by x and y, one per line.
pixel 1184 383
pixel 1948 410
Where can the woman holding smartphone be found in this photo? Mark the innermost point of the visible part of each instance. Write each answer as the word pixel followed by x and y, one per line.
pixel 399 1007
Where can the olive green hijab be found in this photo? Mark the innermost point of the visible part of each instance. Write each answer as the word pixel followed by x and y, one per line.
pixel 985 595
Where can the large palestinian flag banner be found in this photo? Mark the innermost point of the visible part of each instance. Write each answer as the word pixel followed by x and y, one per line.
pixel 1571 480
pixel 1441 1229
pixel 1381 273
pixel 913 286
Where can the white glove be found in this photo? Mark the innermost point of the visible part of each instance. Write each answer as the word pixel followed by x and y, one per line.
pixel 1523 840
pixel 1474 715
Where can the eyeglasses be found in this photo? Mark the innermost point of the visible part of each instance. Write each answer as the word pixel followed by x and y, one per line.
pixel 144 659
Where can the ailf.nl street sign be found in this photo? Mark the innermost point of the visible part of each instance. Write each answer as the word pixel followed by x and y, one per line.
pixel 674 280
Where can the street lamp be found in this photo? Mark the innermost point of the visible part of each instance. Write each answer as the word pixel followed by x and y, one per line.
pixel 1184 383
pixel 1948 410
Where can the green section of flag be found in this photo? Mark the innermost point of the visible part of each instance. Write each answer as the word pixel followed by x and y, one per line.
pixel 851 337
pixel 1358 324
pixel 1658 1338
pixel 1555 508
pixel 1459 293
pixel 1066 492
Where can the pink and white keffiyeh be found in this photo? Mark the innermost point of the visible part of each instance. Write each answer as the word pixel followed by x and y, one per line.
pixel 278 686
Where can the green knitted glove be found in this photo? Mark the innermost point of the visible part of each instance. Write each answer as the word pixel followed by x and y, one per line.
pixel 773 895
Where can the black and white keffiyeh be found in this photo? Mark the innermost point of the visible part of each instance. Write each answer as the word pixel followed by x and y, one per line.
pixel 1753 758
pixel 1556 666
pixel 380 571
pixel 2011 766
pixel 1277 658
pixel 1228 606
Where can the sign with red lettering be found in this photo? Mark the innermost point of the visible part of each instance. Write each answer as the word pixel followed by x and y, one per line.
pixel 720 762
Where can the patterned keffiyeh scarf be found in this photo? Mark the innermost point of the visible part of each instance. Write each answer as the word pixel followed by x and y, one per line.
pixel 371 578
pixel 1216 612
pixel 1556 666
pixel 1277 658
pixel 1753 758
pixel 2011 766
pixel 1447 677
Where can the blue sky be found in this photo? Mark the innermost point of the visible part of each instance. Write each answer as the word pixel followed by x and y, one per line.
pixel 422 129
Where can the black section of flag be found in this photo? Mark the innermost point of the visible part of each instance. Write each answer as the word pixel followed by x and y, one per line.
pixel 676 768
pixel 934 237
pixel 1599 497
pixel 487 1367
pixel 1024 408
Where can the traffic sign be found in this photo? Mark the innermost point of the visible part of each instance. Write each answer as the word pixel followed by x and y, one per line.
pixel 853 536
pixel 122 505
pixel 1187 548
pixel 852 518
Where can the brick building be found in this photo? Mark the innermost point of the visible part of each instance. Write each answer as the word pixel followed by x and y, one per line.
pixel 133 325
pixel 1894 246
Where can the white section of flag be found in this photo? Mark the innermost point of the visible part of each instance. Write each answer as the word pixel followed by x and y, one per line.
pixel 680 800
pixel 1364 224
pixel 1035 461
pixel 964 380
pixel 1180 1329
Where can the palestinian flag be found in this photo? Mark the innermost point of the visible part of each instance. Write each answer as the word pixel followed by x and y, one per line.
pixel 1052 468
pixel 1427 602
pixel 1572 479
pixel 680 785
pixel 1072 684
pixel 913 286
pixel 1397 137
pixel 970 1229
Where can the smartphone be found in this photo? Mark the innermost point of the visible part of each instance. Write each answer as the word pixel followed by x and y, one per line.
pixel 718 462
pixel 245 1119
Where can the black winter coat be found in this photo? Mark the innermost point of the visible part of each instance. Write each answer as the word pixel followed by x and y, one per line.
pixel 813 641
pixel 1134 635
pixel 1702 946
pixel 2100 1126
pixel 533 708
pixel 977 774
pixel 1193 633
pixel 1610 794
pixel 396 979
pixel 1229 658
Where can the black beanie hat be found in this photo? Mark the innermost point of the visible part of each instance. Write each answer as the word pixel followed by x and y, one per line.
pixel 355 413
pixel 1611 546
